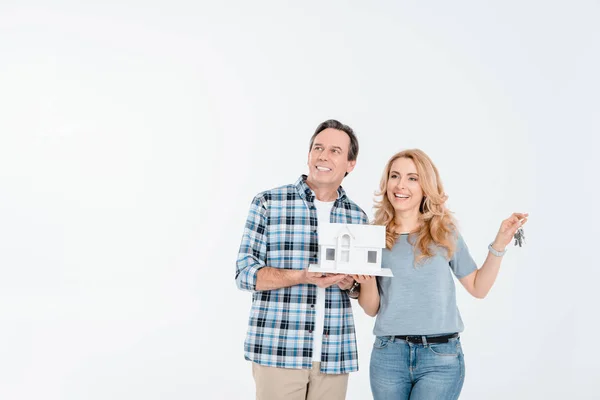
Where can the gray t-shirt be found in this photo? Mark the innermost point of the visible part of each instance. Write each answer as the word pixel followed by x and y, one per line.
pixel 421 299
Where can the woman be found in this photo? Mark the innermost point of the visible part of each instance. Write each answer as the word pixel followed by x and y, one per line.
pixel 417 352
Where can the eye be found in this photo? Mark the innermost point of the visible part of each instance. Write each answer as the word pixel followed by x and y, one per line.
pixel 412 178
pixel 393 176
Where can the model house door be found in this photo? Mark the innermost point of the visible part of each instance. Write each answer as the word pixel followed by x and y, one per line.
pixel 345 249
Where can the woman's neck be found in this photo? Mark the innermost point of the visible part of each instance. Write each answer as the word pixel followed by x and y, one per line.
pixel 406 221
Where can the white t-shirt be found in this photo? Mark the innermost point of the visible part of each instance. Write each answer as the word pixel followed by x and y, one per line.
pixel 323 217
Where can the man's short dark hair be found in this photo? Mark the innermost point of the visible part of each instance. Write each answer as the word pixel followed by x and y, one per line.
pixel 332 123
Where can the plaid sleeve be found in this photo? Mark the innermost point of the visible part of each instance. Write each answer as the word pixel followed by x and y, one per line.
pixel 253 249
pixel 364 219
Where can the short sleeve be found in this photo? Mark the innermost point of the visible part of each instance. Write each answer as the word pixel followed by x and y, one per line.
pixel 461 263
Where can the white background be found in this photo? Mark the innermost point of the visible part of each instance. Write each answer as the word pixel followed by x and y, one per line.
pixel 133 136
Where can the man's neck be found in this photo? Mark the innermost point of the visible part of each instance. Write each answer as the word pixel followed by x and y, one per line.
pixel 326 193
pixel 407 221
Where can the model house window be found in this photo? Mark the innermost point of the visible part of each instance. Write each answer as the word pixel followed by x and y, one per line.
pixel 372 257
pixel 330 254
pixel 346 241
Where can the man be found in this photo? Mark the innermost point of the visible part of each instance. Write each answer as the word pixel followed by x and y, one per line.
pixel 301 338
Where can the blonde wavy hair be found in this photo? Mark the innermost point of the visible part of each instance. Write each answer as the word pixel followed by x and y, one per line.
pixel 436 224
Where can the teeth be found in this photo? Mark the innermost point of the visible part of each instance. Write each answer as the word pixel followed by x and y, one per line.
pixel 323 169
pixel 402 196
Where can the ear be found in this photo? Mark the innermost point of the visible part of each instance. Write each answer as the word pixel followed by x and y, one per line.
pixel 351 165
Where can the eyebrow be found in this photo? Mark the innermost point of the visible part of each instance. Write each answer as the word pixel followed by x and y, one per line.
pixel 398 173
pixel 322 145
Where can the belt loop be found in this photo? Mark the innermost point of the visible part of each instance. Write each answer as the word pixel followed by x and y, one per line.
pixel 424 340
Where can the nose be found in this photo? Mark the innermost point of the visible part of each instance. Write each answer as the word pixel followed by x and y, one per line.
pixel 322 156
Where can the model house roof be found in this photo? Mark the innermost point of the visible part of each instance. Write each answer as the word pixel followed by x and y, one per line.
pixel 372 236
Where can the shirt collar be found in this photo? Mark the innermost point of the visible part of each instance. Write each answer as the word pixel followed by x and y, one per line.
pixel 306 192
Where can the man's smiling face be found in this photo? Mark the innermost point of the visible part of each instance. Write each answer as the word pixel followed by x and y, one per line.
pixel 328 158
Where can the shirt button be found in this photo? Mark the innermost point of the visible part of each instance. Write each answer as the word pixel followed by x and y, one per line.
pixel 310 331
pixel 312 306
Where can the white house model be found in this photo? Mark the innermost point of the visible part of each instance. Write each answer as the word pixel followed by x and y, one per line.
pixel 351 249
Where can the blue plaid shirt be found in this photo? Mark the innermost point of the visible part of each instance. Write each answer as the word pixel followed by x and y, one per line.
pixel 281 232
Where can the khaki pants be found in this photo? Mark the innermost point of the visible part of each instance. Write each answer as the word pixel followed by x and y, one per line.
pixel 298 384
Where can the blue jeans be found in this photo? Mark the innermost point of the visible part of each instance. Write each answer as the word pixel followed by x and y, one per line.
pixel 402 370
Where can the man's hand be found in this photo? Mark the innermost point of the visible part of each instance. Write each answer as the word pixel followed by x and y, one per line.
pixel 322 280
pixel 346 283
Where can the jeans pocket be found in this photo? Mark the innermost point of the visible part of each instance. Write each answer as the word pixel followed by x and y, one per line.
pixel 450 349
pixel 381 342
